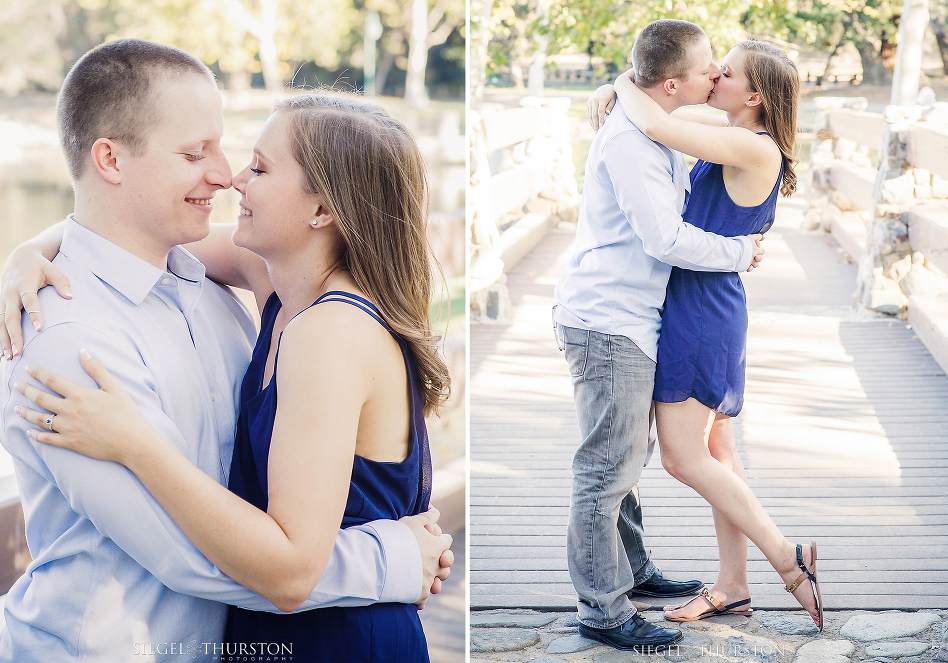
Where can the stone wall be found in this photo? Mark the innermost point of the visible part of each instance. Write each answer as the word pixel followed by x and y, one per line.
pixel 868 208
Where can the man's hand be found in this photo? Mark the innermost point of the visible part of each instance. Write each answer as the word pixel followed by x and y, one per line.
pixel 436 556
pixel 758 251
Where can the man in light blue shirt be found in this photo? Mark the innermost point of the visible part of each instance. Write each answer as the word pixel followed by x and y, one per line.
pixel 607 319
pixel 112 577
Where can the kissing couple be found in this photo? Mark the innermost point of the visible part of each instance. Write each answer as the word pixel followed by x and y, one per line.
pixel 651 315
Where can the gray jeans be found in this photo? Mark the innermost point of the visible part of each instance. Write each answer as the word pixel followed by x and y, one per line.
pixel 612 387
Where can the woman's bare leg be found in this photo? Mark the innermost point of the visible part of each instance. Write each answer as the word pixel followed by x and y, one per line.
pixel 731 584
pixel 683 431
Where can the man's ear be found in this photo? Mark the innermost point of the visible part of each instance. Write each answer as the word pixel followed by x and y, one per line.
pixel 105 159
pixel 670 85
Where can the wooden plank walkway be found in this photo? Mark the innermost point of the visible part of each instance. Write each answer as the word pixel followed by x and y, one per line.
pixel 844 436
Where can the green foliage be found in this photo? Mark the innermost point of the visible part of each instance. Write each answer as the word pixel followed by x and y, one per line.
pixel 823 23
pixel 41 39
pixel 606 28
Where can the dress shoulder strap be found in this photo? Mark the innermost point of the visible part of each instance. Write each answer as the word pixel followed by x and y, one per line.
pixel 358 302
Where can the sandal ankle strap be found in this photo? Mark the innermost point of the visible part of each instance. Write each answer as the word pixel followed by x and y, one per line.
pixel 802 566
pixel 806 575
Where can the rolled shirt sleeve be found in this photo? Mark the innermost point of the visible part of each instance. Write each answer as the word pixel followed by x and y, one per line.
pixel 370 563
pixel 646 195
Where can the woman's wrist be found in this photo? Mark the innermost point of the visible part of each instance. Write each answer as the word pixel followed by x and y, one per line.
pixel 48 242
pixel 142 451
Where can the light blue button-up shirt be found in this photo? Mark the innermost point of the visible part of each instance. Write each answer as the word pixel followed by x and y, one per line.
pixel 113 578
pixel 629 236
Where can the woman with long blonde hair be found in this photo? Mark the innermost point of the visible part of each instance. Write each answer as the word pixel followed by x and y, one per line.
pixel 331 239
pixel 744 160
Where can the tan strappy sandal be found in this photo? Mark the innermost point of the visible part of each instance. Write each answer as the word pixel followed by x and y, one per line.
pixel 811 576
pixel 717 608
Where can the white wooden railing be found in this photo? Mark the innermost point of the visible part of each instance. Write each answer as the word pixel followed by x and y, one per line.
pixel 522 181
pixel 891 216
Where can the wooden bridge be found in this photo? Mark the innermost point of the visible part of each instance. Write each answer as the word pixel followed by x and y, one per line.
pixel 844 436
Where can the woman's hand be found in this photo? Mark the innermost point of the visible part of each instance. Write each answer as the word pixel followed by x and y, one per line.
pixel 436 555
pixel 27 271
pixel 599 105
pixel 101 423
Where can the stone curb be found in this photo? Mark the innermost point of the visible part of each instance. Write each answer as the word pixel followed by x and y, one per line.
pixel 850 636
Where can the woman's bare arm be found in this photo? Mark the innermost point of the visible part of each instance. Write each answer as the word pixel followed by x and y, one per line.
pixel 324 377
pixel 602 101
pixel 729 146
pixel 281 554
pixel 232 265
pixel 700 118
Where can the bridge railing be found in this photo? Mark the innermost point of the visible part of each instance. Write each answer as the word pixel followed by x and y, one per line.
pixel 522 182
pixel 879 183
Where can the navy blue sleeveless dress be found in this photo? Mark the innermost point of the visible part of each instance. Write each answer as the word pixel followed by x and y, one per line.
pixel 702 345
pixel 389 632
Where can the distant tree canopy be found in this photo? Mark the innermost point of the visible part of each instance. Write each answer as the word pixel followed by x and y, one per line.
pixel 41 39
pixel 606 28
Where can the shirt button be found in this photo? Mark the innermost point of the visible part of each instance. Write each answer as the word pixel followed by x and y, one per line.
pixel 165 281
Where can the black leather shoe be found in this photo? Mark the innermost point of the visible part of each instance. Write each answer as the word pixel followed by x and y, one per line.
pixel 636 634
pixel 660 586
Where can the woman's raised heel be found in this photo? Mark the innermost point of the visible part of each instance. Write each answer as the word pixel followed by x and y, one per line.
pixel 809 574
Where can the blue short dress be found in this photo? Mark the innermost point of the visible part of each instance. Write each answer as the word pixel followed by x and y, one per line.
pixel 701 350
pixel 382 632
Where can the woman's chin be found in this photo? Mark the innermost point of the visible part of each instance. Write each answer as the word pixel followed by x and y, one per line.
pixel 240 236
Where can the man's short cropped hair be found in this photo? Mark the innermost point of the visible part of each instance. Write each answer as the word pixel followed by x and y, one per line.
pixel 109 93
pixel 661 51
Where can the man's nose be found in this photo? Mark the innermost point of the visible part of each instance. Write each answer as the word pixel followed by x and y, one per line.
pixel 219 172
pixel 715 72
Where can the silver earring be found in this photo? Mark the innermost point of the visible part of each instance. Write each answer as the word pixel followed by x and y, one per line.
pixel 314 223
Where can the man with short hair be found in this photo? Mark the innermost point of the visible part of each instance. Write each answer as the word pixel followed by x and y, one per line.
pixel 607 320
pixel 112 576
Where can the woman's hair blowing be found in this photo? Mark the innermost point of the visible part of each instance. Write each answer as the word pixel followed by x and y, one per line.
pixel 369 172
pixel 774 76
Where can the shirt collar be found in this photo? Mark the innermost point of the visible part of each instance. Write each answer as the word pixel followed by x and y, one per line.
pixel 131 276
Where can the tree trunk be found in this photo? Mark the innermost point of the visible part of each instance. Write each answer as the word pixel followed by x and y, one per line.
pixel 480 41
pixel 269 61
pixel 538 61
pixel 516 73
pixel 238 81
pixel 387 60
pixel 537 66
pixel 941 36
pixel 908 64
pixel 873 71
pixel 415 94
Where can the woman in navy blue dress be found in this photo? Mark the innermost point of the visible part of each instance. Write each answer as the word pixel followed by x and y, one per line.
pixel 745 159
pixel 331 240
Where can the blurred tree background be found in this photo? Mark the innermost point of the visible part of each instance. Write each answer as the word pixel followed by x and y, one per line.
pixel 510 32
pixel 248 43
